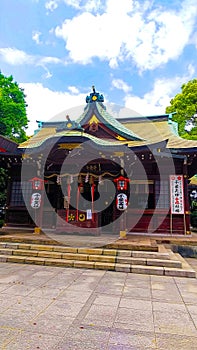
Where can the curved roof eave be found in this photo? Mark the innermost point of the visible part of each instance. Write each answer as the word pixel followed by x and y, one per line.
pixel 107 120
pixel 35 142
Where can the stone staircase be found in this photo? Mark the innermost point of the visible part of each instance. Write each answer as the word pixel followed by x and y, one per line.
pixel 163 262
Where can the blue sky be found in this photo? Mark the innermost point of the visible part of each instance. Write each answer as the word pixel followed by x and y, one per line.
pixel 137 53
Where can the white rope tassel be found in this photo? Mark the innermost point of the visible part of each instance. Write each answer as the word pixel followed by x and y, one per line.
pixel 87 178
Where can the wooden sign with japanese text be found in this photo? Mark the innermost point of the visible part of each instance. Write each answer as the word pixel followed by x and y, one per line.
pixel 176 194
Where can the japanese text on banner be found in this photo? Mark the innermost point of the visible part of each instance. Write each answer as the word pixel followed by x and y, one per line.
pixel 176 194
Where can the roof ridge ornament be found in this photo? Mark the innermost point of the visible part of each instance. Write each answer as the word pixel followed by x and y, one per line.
pixel 69 125
pixel 94 96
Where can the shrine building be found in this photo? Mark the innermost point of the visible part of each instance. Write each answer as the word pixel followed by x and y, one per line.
pixel 101 174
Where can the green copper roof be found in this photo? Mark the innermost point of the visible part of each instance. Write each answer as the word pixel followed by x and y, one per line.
pixel 108 120
pixel 37 142
pixel 174 128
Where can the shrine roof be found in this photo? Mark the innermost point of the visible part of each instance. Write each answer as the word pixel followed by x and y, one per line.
pixel 7 146
pixel 105 118
pixel 151 131
pixel 50 133
pixel 134 131
pixel 156 129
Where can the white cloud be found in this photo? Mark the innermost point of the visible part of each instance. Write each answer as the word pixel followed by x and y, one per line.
pixel 15 57
pixel 47 74
pixel 113 63
pixel 73 89
pixel 93 5
pixel 49 59
pixel 155 101
pixel 44 104
pixel 36 37
pixel 85 5
pixel 51 5
pixel 121 85
pixel 88 36
pixel 73 3
pixel 119 8
pixel 128 30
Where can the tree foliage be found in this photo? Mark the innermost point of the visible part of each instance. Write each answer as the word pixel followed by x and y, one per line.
pixel 185 106
pixel 13 118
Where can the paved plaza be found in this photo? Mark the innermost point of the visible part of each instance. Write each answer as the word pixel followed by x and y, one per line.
pixel 52 308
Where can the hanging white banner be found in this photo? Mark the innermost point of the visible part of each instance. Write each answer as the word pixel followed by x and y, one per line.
pixel 176 194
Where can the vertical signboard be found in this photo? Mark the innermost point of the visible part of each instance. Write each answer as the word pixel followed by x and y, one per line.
pixel 176 194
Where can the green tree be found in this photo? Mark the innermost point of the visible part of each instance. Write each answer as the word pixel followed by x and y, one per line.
pixel 13 121
pixel 13 117
pixel 185 106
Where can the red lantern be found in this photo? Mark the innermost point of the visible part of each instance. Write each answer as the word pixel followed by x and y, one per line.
pixel 121 183
pixel 37 183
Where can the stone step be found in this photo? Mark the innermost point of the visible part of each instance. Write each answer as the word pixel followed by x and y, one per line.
pixel 89 251
pixel 151 255
pixel 128 268
pixel 93 258
pixel 20 237
pixel 163 262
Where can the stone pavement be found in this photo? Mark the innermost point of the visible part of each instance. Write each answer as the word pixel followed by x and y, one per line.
pixel 51 308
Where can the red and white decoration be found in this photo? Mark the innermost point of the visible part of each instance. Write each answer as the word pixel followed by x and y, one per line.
pixel 37 183
pixel 121 183
pixel 121 201
pixel 176 194
pixel 36 200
